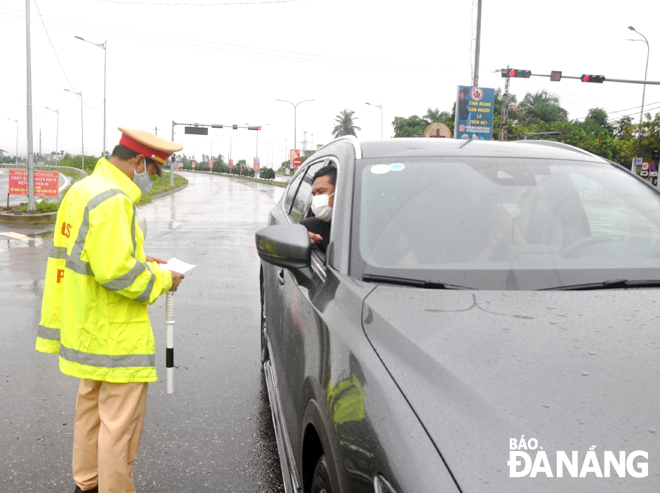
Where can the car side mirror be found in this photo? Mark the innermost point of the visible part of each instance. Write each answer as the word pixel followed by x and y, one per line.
pixel 288 246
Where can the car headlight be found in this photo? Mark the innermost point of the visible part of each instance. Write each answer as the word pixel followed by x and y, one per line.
pixel 382 485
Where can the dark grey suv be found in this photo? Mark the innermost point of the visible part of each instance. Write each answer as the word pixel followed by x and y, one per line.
pixel 485 318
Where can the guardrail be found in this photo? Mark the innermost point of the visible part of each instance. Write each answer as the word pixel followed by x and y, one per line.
pixel 82 172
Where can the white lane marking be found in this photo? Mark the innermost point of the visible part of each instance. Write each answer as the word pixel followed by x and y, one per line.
pixel 17 236
pixel 66 181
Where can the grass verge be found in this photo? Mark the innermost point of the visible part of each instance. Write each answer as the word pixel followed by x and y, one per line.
pixel 162 184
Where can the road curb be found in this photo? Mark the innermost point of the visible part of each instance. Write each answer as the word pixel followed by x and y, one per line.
pixel 28 219
pixel 168 192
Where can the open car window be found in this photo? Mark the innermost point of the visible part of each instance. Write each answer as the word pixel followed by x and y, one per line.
pixel 303 199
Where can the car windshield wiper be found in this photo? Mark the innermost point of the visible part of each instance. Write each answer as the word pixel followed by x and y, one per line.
pixel 611 284
pixel 405 281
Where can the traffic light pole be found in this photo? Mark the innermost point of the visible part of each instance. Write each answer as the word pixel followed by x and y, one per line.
pixel 627 81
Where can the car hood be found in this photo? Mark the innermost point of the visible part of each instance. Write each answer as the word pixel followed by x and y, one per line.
pixel 573 370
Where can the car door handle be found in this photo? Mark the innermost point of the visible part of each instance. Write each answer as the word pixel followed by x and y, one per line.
pixel 280 276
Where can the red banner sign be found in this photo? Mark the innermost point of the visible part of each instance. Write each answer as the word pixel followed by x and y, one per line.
pixel 231 163
pixel 46 183
pixel 211 164
pixel 257 164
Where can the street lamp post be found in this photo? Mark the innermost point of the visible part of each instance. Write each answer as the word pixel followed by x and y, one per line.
pixel 103 46
pixel 82 127
pixel 648 51
pixel 286 146
pixel 57 133
pixel 16 137
pixel 295 108
pixel 381 116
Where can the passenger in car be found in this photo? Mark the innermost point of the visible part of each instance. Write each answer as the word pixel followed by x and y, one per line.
pixel 323 191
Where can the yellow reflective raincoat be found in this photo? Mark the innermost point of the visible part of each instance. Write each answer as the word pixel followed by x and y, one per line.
pixel 98 284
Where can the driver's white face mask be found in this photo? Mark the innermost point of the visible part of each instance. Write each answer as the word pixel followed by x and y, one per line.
pixel 321 207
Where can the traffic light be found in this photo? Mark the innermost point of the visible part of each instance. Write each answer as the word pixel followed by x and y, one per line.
pixel 555 75
pixel 234 127
pixel 593 78
pixel 656 156
pixel 525 74
pixel 254 128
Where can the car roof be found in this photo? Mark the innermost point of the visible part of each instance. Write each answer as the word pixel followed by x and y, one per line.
pixel 420 147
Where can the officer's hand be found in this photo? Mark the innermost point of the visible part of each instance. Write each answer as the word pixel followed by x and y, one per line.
pixel 155 259
pixel 176 280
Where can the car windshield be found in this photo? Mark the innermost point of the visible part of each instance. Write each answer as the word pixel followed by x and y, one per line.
pixel 503 223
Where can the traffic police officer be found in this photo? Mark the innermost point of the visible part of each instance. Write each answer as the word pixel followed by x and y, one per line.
pixel 94 309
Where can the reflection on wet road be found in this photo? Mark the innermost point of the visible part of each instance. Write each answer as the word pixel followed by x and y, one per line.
pixel 215 433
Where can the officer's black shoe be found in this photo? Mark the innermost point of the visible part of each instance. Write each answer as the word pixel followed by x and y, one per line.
pixel 93 490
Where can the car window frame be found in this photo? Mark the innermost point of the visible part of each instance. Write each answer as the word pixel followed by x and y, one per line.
pixel 304 212
pixel 318 258
pixel 292 185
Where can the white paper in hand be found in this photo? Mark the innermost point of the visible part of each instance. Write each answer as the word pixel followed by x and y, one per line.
pixel 177 266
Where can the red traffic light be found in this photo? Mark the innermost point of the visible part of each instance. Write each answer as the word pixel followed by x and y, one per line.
pixel 525 74
pixel 593 78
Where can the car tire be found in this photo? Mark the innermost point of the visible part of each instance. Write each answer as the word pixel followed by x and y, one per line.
pixel 321 478
pixel 264 327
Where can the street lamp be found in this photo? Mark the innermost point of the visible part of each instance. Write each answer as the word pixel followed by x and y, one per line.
pixel 648 50
pixel 295 107
pixel 230 139
pixel 286 146
pixel 57 133
pixel 16 137
pixel 103 46
pixel 381 116
pixel 82 127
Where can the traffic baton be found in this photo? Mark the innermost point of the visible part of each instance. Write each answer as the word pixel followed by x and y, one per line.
pixel 169 344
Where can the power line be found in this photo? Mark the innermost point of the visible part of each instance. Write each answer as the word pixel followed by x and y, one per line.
pixel 233 49
pixel 53 47
pixel 58 60
pixel 190 4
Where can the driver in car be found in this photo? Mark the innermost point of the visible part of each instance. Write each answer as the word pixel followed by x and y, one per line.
pixel 323 192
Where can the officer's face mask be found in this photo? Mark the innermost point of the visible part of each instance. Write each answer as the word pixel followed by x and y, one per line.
pixel 321 207
pixel 143 180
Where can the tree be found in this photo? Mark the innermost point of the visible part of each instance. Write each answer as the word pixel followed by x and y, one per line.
pixel 622 125
pixel 345 124
pixel 597 122
pixel 409 127
pixel 541 107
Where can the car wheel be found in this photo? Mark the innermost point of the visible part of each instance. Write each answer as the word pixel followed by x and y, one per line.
pixel 321 479
pixel 264 325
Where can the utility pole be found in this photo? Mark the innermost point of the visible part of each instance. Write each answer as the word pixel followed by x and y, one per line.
pixel 478 45
pixel 172 160
pixel 156 131
pixel 30 153
pixel 505 108
pixel 40 142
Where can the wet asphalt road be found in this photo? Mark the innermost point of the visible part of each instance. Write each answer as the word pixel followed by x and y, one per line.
pixel 215 433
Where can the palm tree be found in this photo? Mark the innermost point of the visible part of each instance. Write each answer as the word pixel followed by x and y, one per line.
pixel 541 107
pixel 345 125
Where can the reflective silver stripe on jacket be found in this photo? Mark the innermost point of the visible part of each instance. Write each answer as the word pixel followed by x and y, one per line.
pixel 74 261
pixel 48 333
pixel 58 253
pixel 146 294
pixel 122 282
pixel 106 360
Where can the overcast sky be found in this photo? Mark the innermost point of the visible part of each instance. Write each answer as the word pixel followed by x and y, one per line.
pixel 225 62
